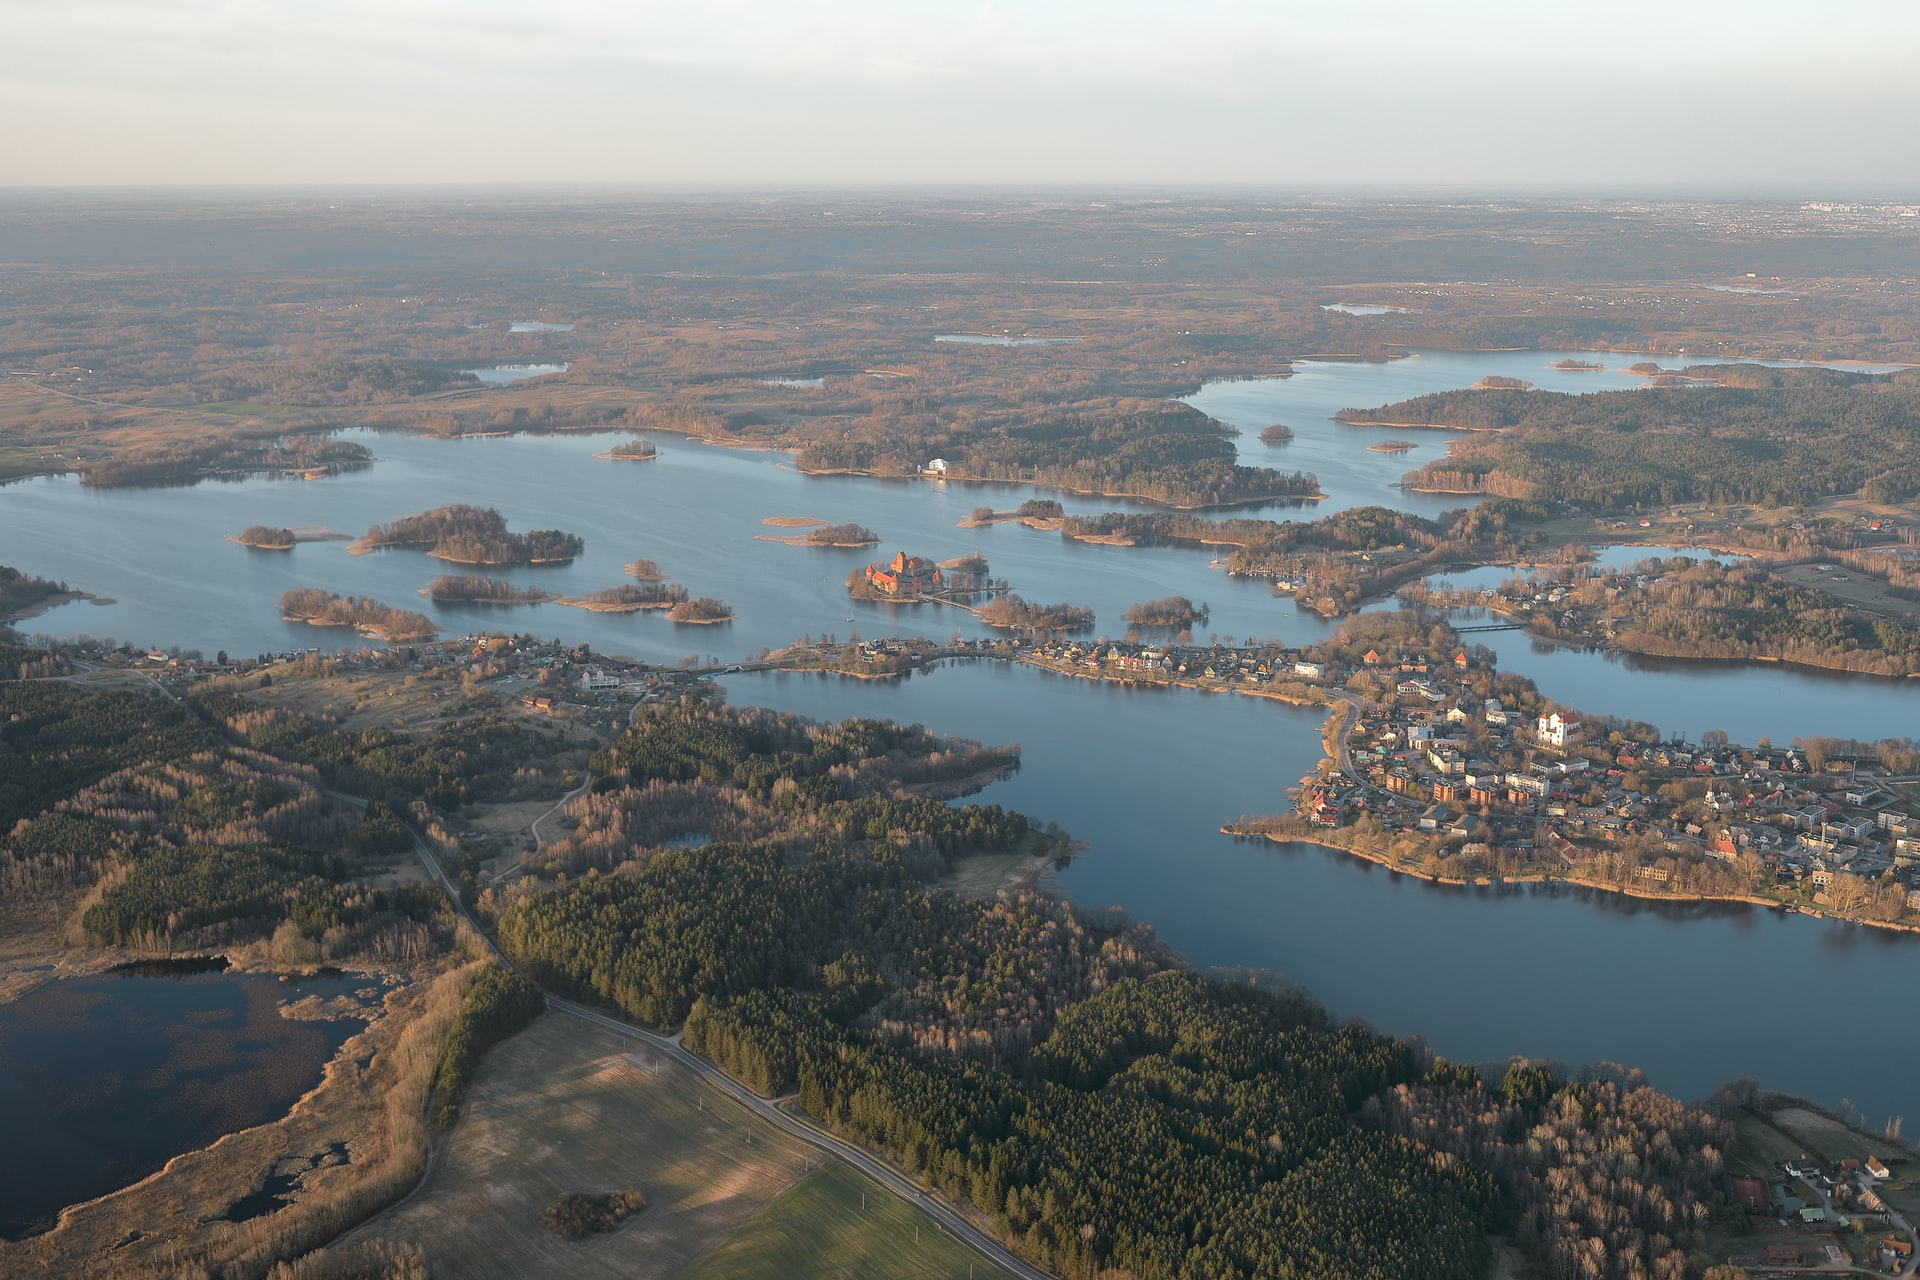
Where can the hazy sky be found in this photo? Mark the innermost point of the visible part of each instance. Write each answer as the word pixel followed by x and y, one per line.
pixel 1812 98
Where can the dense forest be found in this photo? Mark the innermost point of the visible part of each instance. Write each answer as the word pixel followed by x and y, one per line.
pixel 1169 454
pixel 177 838
pixel 1684 608
pixel 470 535
pixel 1106 1110
pixel 1775 437
pixel 28 662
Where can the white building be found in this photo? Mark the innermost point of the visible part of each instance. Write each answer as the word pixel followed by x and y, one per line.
pixel 593 680
pixel 1495 713
pixel 1558 731
pixel 1311 670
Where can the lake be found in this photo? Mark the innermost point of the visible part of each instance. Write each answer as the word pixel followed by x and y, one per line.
pixel 501 375
pixel 104 1079
pixel 1692 994
pixel 1147 778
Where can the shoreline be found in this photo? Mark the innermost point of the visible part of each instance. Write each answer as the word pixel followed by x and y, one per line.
pixel 367 630
pixel 1380 859
pixel 1078 493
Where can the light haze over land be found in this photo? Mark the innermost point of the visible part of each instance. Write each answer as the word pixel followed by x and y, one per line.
pixel 1633 95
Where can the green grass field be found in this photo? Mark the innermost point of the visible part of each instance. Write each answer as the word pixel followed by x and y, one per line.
pixel 20 462
pixel 818 1229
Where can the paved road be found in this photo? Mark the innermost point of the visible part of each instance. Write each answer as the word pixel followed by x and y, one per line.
pixel 943 1215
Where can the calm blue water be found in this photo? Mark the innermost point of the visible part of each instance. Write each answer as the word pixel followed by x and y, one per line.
pixel 105 1079
pixel 500 375
pixel 1146 777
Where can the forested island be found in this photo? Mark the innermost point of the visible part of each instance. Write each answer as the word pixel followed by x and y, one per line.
pixel 628 598
pixel 1172 455
pixel 1172 611
pixel 705 611
pixel 645 570
pixel 265 538
pixel 1276 434
pixel 363 613
pixel 1010 611
pixel 1578 366
pixel 1771 436
pixel 631 451
pixel 470 535
pixel 819 533
pixel 475 589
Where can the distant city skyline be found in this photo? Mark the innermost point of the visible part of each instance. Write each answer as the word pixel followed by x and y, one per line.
pixel 1763 96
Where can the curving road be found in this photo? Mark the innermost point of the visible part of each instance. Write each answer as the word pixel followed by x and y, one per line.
pixel 944 1216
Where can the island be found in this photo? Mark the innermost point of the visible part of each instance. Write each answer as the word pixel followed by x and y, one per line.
pixel 1012 613
pixel 1171 611
pixel 909 578
pixel 645 571
pixel 1276 434
pixel 362 613
pixel 628 598
pixel 631 451
pixel 1579 366
pixel 1393 446
pixel 469 535
pixel 820 534
pixel 474 589
pixel 267 538
pixel 706 611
